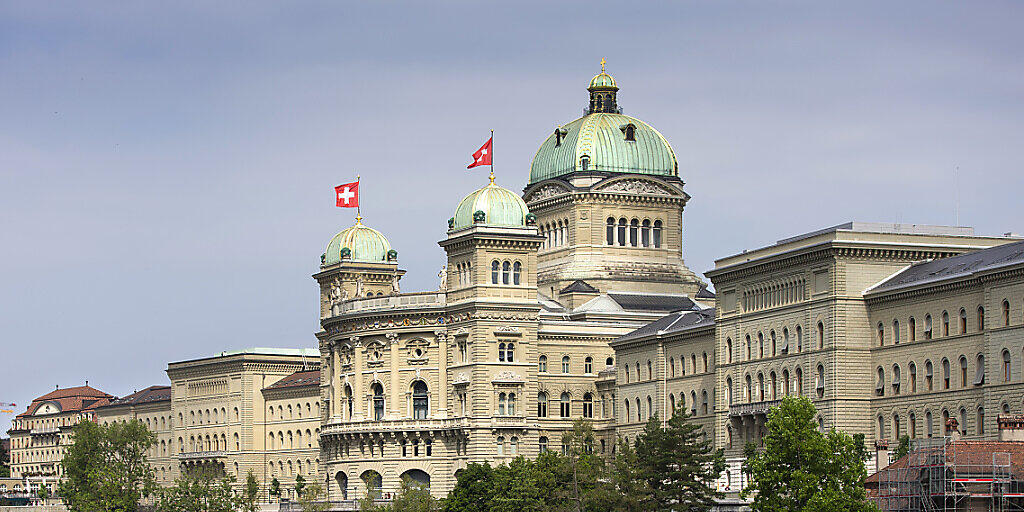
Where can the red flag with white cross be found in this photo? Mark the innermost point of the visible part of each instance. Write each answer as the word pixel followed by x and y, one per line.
pixel 482 155
pixel 347 195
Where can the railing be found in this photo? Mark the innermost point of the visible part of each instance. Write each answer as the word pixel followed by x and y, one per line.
pixel 753 409
pixel 393 426
pixel 217 454
pixel 401 301
pixel 509 421
pixel 45 431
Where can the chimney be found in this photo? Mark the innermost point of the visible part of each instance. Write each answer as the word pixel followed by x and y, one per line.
pixel 881 454
pixel 1011 427
pixel 953 429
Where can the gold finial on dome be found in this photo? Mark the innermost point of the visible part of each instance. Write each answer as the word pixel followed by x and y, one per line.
pixel 602 64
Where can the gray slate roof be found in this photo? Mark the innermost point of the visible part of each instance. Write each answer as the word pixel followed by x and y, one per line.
pixel 673 323
pixel 641 302
pixel 954 267
pixel 150 394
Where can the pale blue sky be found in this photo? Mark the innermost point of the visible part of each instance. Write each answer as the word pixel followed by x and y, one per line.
pixel 166 168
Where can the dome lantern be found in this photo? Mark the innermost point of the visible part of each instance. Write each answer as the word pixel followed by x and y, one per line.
pixel 603 90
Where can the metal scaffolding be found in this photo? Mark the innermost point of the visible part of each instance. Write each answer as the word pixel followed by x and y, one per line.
pixel 947 476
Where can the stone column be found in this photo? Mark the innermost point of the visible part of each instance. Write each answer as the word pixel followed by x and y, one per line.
pixel 441 393
pixel 358 394
pixel 337 383
pixel 394 411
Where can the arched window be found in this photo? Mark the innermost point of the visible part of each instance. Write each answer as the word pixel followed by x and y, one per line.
pixel 821 335
pixel 608 362
pixel 963 421
pixel 672 401
pixel 420 405
pixel 501 352
pixel 510 352
pixel 728 351
pixel 511 404
pixel 799 339
pixel 760 390
pixel 506 272
pixel 880 382
pixel 645 233
pixel 348 400
pixel 630 133
pixel 928 327
pixel 945 323
pixel 748 391
pixel 588 365
pixel 584 162
pixel 981 318
pixel 517 273
pixel 785 382
pixel 627 410
pixel 760 345
pixel 750 349
pixel 784 349
pixel 671 367
pixel 963 372
pixel 588 405
pixel 928 425
pixel 728 391
pixel 773 388
pixel 895 426
pixel 945 373
pixel 621 232
pixel 502 400
pixel 896 378
pixel 542 364
pixel 981 420
pixel 799 381
pixel 912 329
pixel 610 231
pixel 913 425
pixel 650 370
pixel 543 443
pixel 565 366
pixel 881 427
pixel 928 376
pixel 378 401
pixel 881 335
pixel 963 321
pixel 494 271
pixel 634 227
pixel 542 405
pixel 1006 313
pixel 705 356
pixel 656 234
pixel 913 377
pixel 650 407
pixel 896 332
pixel 564 406
pixel 820 384
pixel 1006 366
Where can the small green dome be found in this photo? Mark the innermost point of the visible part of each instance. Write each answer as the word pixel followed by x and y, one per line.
pixel 363 243
pixel 498 206
pixel 603 80
pixel 601 142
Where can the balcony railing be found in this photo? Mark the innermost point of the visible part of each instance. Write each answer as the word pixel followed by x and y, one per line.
pixel 217 454
pixel 402 301
pixel 393 426
pixel 509 421
pixel 45 431
pixel 753 409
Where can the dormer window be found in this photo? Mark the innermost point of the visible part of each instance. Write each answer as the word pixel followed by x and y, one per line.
pixel 558 137
pixel 630 132
pixel 584 162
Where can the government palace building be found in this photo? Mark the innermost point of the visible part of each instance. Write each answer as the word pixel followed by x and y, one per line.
pixel 572 300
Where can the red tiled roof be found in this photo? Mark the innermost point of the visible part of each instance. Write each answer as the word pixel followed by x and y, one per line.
pixel 298 379
pixel 967 456
pixel 79 398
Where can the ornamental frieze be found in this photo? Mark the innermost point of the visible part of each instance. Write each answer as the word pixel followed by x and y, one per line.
pixel 638 187
pixel 547 191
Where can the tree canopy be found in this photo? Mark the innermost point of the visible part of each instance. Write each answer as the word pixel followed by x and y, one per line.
pixel 105 469
pixel 200 491
pixel 803 469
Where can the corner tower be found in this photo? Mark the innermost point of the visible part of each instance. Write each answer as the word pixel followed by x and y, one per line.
pixel 358 262
pixel 608 201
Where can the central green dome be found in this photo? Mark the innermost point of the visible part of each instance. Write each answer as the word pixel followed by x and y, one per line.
pixel 601 142
pixel 499 206
pixel 363 243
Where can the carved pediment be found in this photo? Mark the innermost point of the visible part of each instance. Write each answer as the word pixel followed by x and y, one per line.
pixel 507 376
pixel 638 186
pixel 546 191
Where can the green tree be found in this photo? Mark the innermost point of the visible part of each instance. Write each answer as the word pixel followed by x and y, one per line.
pixel 199 491
pixel 300 484
pixel 312 498
pixel 802 469
pixel 5 464
pixel 473 491
pixel 903 448
pixel 413 498
pixel 583 470
pixel 275 487
pixel 629 490
pixel 679 463
pixel 250 496
pixel 44 492
pixel 516 488
pixel 106 468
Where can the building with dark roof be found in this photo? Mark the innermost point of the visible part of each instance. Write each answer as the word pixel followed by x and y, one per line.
pixel 890 329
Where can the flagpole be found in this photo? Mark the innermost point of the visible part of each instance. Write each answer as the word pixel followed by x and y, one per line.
pixel 492 156
pixel 359 210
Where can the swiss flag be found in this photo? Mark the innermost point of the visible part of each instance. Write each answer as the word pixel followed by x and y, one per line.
pixel 347 195
pixel 482 155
